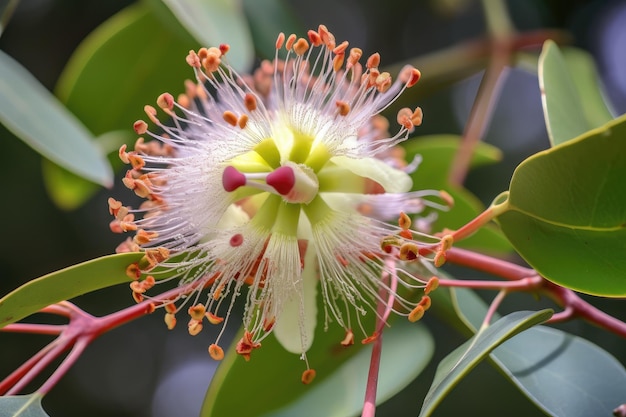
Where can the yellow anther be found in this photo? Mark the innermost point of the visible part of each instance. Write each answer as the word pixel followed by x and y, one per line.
pixel 194 327
pixel 446 242
pixel 416 314
pixel 170 321
pixel 383 82
pixel 197 312
pixel 308 376
pixel 440 259
pixel 301 46
pixel 338 62
pixel 409 252
pixel 216 352
pixel 404 221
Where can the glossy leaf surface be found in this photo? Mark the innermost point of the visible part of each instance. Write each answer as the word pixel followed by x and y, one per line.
pixel 562 374
pixel 463 359
pixel 34 115
pixel 22 406
pixel 123 65
pixel 65 284
pixel 566 212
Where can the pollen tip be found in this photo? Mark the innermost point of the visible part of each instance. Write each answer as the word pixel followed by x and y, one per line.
pixel 232 179
pixel 308 376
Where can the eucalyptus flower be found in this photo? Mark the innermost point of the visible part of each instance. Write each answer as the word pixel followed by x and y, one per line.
pixel 279 187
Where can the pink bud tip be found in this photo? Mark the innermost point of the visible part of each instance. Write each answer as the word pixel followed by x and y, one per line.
pixel 282 179
pixel 232 179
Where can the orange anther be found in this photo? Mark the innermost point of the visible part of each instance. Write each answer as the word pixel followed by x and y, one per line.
pixel 407 234
pixel 404 221
pixel 308 376
pixel 216 352
pixel 301 46
pixel 133 271
pixel 404 118
pixel 338 62
pixel 137 297
pixel 230 118
pixel 446 242
pixel 341 48
pixel 416 314
pixel 355 55
pixel 192 59
pixel 349 339
pixel 243 121
pixel 194 327
pixel 370 339
pixel 165 101
pixel 291 39
pixel 170 321
pixel 409 252
pixel 314 38
pixel 373 61
pixel 140 127
pixel 342 107
pixel 151 113
pixel 249 100
pixel 197 312
pixel 431 285
pixel 170 308
pixel 213 319
pixel 114 206
pixel 280 40
pixel 136 161
pixel 150 308
pixel 136 286
pixel 417 116
pixel 425 302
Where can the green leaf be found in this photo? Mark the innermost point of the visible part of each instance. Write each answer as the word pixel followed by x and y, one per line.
pixel 124 64
pixel 271 379
pixel 464 358
pixel 65 284
pixel 566 212
pixel 562 106
pixel 587 81
pixel 562 374
pixel 267 18
pixel 214 22
pixel 33 114
pixel 69 191
pixel 437 152
pixel 22 406
pixel 342 393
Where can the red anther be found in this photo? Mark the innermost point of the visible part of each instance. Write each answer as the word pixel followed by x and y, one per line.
pixel 314 38
pixel 370 339
pixel 224 48
pixel 342 107
pixel 140 127
pixel 232 179
pixel 414 77
pixel 249 100
pixel 291 39
pixel 373 61
pixel 282 179
pixel 236 240
pixel 165 101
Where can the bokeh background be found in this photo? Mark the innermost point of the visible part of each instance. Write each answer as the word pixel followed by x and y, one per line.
pixel 142 369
